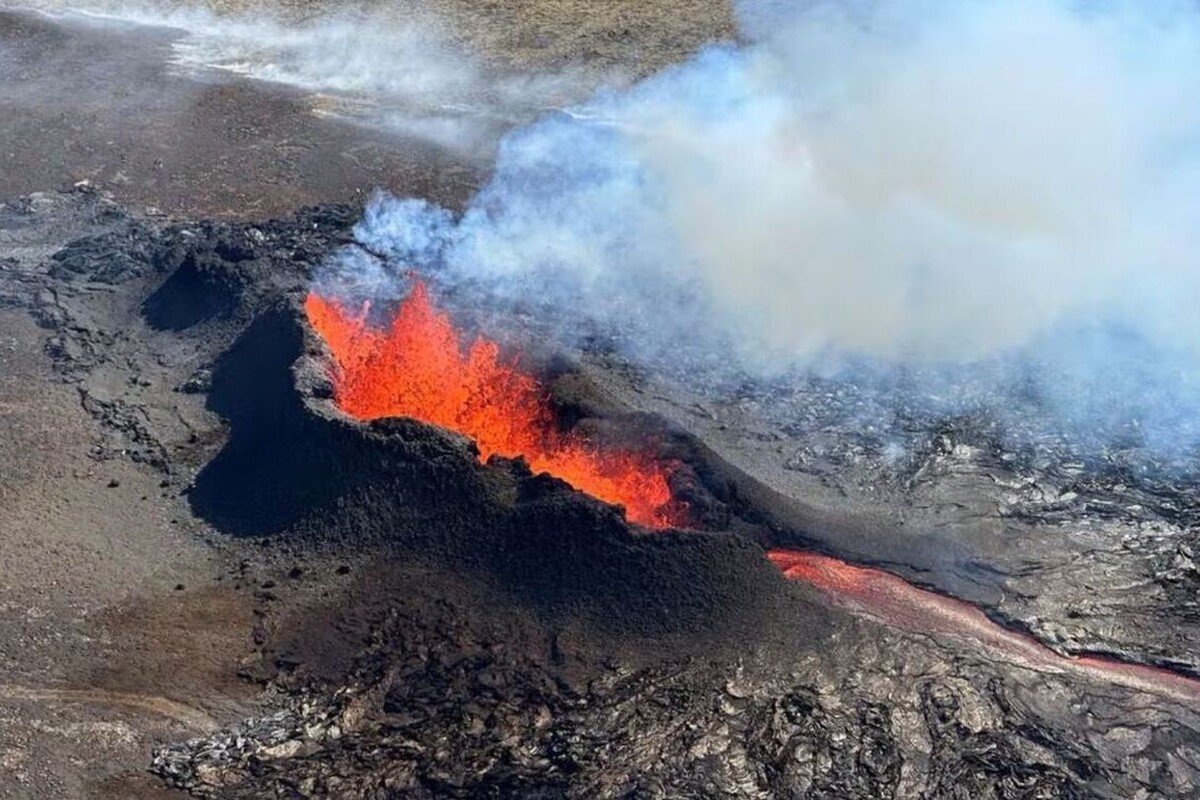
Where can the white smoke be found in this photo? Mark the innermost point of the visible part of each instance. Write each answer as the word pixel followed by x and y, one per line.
pixel 913 182
pixel 394 67
pixel 949 180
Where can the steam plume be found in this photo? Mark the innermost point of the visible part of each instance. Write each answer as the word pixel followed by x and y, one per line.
pixel 1004 184
pixel 393 68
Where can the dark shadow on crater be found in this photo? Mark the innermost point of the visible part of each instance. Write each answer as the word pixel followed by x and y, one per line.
pixel 269 473
pixel 199 290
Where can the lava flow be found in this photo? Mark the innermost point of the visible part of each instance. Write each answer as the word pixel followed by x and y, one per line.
pixel 416 367
pixel 898 603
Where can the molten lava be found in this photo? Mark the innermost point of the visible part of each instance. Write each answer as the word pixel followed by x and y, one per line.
pixel 896 602
pixel 416 367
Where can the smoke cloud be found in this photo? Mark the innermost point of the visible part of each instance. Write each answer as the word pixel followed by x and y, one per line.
pixel 393 68
pixel 1010 187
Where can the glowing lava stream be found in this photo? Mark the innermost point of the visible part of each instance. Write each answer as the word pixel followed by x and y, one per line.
pixel 896 602
pixel 416 367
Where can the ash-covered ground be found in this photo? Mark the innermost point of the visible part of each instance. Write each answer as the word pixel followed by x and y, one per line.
pixel 216 585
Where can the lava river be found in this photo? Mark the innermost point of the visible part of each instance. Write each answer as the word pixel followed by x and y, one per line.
pixel 417 367
pixel 896 602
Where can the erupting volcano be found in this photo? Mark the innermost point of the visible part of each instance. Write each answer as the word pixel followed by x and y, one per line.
pixel 416 367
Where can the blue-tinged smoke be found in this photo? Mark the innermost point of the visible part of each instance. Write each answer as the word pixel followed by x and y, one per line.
pixel 995 191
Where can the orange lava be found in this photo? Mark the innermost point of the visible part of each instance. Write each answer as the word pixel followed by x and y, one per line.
pixel 416 367
pixel 895 601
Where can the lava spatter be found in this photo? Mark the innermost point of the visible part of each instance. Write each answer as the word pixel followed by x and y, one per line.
pixel 417 367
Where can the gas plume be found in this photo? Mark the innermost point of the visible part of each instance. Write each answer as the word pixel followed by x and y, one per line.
pixel 1009 187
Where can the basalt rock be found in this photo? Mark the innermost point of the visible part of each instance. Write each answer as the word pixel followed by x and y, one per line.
pixel 445 703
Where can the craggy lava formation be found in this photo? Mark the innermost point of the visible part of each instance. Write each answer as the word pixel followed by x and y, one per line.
pixel 503 635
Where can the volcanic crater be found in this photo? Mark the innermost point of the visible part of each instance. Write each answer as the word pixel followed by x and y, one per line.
pixel 406 593
pixel 698 568
pixel 296 464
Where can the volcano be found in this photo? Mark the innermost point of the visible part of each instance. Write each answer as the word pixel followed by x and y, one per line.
pixel 373 462
pixel 415 367
pixel 410 592
pixel 414 370
pixel 470 490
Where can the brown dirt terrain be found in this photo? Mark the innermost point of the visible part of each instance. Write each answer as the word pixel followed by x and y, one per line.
pixel 96 102
pixel 620 34
pixel 101 654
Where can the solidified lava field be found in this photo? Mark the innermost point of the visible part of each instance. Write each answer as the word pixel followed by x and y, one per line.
pixel 263 540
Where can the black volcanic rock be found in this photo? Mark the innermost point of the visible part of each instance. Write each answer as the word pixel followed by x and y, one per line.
pixel 441 701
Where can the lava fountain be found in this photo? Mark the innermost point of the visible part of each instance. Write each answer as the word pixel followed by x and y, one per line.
pixel 416 367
